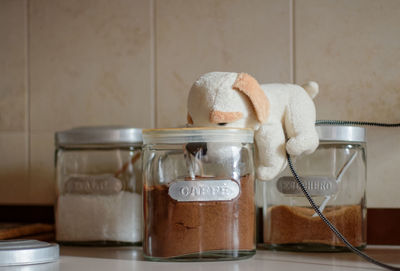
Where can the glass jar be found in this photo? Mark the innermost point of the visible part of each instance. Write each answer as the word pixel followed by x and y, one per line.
pixel 198 194
pixel 335 176
pixel 99 185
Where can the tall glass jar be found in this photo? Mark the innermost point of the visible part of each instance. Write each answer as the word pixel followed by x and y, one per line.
pixel 198 194
pixel 335 176
pixel 99 185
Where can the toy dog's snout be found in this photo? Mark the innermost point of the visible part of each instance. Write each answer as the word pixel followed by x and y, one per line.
pixel 223 118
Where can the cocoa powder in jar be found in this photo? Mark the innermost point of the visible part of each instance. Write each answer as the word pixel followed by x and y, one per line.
pixel 175 228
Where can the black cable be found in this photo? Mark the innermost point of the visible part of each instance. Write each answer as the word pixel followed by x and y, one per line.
pixel 356 123
pixel 315 207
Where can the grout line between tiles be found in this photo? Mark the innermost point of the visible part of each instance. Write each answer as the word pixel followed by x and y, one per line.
pixel 28 91
pixel 292 42
pixel 153 65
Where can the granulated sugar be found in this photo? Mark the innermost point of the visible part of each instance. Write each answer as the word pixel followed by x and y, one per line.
pixel 99 217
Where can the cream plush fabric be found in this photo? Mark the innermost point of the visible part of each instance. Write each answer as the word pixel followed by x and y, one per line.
pixel 282 115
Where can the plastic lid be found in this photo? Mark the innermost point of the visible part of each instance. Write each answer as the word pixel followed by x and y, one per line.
pixel 99 135
pixel 21 252
pixel 187 135
pixel 341 133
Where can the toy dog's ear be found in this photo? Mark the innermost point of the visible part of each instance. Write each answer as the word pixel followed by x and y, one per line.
pixel 250 87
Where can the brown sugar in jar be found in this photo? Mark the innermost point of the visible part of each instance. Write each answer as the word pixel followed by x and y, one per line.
pixel 183 228
pixel 296 226
pixel 334 176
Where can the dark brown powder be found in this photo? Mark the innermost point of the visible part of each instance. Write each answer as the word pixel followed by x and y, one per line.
pixel 175 228
pixel 295 225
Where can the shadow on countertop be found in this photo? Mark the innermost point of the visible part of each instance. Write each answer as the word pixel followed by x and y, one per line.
pixel 121 253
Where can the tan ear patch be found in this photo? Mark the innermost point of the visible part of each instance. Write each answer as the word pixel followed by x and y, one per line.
pixel 224 117
pixel 189 119
pixel 250 87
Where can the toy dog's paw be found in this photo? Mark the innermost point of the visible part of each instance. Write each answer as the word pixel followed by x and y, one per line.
pixel 267 173
pixel 302 144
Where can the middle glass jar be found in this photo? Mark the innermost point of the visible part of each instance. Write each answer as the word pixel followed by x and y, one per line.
pixel 198 194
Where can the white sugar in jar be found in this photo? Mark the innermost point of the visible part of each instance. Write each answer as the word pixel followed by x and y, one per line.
pixel 99 185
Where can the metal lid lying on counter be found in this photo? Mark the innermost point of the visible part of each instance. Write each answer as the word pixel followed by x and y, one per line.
pixel 23 252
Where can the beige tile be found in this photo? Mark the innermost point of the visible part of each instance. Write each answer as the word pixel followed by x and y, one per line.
pixel 352 48
pixel 42 174
pixel 90 63
pixel 13 92
pixel 194 37
pixel 13 168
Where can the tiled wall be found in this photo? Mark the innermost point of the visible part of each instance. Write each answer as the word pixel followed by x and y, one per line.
pixel 132 62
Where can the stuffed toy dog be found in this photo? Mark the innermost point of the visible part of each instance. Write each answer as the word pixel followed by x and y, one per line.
pixel 281 115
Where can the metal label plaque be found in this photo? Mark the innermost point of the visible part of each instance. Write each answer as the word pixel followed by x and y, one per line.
pixel 315 185
pixel 204 190
pixel 105 184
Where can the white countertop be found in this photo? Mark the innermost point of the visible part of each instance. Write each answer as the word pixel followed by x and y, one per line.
pixel 130 258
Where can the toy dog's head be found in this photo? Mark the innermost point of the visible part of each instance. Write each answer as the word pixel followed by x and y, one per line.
pixel 227 99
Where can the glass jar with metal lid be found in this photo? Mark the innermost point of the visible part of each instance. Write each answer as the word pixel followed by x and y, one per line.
pixel 335 176
pixel 198 194
pixel 99 185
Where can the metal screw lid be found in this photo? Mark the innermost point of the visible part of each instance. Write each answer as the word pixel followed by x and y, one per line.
pixel 99 135
pixel 340 133
pixel 22 252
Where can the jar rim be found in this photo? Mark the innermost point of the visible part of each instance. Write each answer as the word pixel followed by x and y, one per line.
pixel 198 134
pixel 92 135
pixel 341 133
